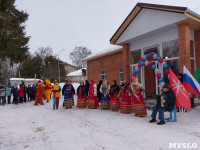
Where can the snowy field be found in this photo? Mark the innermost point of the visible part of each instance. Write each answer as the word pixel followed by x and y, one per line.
pixel 30 127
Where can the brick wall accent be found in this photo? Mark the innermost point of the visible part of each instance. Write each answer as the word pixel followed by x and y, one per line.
pixel 111 63
pixel 184 46
pixel 197 47
pixel 126 60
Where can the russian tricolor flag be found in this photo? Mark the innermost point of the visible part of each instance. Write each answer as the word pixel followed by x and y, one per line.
pixel 190 83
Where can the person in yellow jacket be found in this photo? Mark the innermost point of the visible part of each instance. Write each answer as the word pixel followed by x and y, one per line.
pixel 56 94
pixel 48 87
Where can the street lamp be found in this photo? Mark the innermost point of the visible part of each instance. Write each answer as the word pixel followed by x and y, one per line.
pixel 58 65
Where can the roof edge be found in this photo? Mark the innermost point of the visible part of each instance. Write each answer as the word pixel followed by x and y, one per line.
pixel 104 54
pixel 192 15
pixel 137 9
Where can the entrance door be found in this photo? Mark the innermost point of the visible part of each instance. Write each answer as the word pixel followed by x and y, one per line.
pixel 150 83
pixel 149 74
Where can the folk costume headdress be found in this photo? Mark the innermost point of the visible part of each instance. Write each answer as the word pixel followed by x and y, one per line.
pixel 136 85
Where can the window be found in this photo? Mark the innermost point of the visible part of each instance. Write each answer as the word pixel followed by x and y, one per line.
pixel 83 72
pixel 121 76
pixel 135 56
pixel 152 49
pixel 170 49
pixel 103 75
pixel 174 66
pixel 192 49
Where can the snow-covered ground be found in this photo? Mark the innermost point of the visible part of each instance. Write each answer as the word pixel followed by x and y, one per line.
pixel 30 127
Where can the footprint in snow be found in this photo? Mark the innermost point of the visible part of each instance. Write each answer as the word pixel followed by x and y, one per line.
pixel 39 129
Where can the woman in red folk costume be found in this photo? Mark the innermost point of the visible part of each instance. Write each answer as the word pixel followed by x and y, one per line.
pixel 138 106
pixel 92 100
pixel 125 105
pixel 82 97
pixel 39 94
pixel 114 99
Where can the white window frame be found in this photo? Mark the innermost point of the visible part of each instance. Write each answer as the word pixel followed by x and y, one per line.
pixel 104 74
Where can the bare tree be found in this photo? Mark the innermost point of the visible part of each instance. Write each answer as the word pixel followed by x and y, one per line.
pixel 78 55
pixel 7 71
pixel 44 52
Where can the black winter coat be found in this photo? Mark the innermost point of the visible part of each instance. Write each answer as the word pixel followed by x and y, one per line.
pixel 29 90
pixel 15 92
pixel 170 100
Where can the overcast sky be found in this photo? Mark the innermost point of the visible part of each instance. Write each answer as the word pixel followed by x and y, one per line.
pixel 64 24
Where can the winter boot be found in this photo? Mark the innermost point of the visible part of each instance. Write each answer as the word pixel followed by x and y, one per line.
pixel 152 120
pixel 161 122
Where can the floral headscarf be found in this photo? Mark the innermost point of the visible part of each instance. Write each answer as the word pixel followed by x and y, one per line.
pixel 105 87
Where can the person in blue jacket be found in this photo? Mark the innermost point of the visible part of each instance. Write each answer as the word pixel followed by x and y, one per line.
pixel 15 94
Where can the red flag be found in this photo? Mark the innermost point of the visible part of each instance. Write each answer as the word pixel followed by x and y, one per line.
pixel 182 96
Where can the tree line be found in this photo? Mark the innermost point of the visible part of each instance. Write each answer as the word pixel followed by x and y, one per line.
pixel 15 58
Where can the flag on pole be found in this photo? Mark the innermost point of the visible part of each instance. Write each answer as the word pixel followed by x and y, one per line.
pixel 190 83
pixel 182 96
pixel 197 75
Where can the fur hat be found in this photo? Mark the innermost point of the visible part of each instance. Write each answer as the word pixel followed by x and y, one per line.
pixel 39 81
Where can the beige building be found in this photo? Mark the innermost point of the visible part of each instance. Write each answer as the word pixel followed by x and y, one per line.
pixel 69 68
pixel 77 76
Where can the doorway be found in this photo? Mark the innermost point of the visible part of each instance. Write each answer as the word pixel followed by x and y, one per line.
pixel 150 80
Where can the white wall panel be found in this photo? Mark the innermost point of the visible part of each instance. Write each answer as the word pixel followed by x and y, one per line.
pixel 168 35
pixel 149 20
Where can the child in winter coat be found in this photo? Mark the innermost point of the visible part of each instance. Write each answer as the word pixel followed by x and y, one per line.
pixel 8 92
pixel 15 94
pixel 21 93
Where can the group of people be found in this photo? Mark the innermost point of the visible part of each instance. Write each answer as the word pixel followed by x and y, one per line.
pixel 128 98
pixel 20 94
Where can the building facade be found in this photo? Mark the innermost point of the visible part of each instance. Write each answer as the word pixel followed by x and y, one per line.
pixel 68 67
pixel 171 32
pixel 107 64
pixel 77 76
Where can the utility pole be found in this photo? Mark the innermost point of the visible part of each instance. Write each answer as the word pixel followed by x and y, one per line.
pixel 59 65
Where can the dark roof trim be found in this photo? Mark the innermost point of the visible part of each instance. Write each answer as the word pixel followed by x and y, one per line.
pixel 163 7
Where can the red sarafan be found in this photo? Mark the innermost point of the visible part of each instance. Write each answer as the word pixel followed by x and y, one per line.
pixel 92 100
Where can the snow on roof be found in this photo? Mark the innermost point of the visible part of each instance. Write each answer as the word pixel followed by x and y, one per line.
pixel 75 73
pixel 25 79
pixel 108 50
